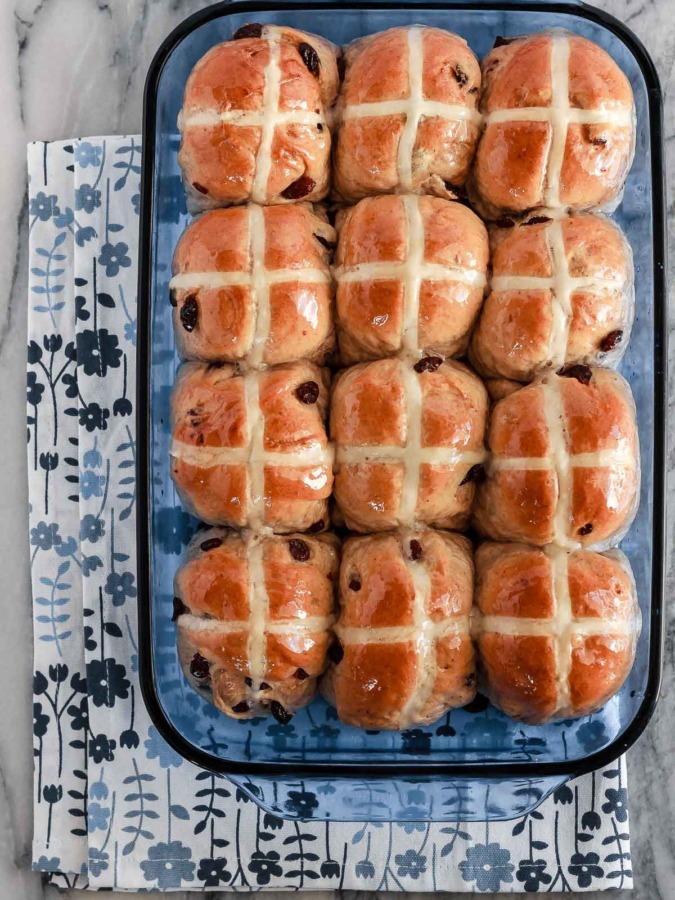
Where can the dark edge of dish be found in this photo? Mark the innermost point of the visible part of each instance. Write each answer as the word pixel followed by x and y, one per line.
pixel 493 769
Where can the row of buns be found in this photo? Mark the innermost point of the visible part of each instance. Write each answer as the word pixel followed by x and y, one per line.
pixel 421 624
pixel 411 443
pixel 547 120
pixel 255 285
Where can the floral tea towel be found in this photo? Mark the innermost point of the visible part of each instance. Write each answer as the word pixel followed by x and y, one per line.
pixel 114 806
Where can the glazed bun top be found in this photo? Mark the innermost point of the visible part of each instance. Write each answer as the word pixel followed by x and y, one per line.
pixel 407 113
pixel 255 118
pixel 559 126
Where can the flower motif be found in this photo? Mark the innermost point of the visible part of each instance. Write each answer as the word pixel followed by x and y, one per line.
pixel 488 865
pixel 563 795
pixel 416 741
pixel 122 407
pixel 532 873
pixel 114 257
pixel 411 863
pixel 157 748
pixel 43 206
pixel 101 748
pixel 52 343
pixel 40 721
pixel 330 868
pixel 136 202
pixel 265 865
pixel 174 529
pixel 45 536
pixel 169 865
pixel 34 390
pixel 90 564
pixel 415 816
pixel 58 673
pixel 617 803
pixel 130 331
pixel 92 416
pixel 585 867
pixel 98 861
pixel 47 864
pixel 87 198
pixel 302 802
pixel 120 585
pixel 99 789
pixel 213 872
pixel 98 817
pixel 364 869
pixel 91 528
pixel 106 681
pixel 91 485
pixel 591 821
pixel 87 154
pixel 92 459
pixel 591 735
pixel 98 351
pixel 129 739
pixel 52 793
pixel 273 822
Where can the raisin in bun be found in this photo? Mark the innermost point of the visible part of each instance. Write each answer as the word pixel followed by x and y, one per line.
pixel 558 129
pixel 407 114
pixel 561 293
pixel 564 462
pixel 410 277
pixel 556 630
pixel 251 451
pixel 255 119
pixel 409 443
pixel 253 615
pixel 252 284
pixel 403 654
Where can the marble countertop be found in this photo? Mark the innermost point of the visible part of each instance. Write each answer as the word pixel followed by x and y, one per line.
pixel 77 67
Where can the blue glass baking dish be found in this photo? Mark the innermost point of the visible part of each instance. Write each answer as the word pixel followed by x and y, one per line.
pixel 475 763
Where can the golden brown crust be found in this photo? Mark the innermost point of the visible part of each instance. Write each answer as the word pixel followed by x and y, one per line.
pixel 544 311
pixel 406 442
pixel 253 617
pixel 224 141
pixel 556 631
pixel 416 584
pixel 225 444
pixel 564 462
pixel 410 275
pixel 252 315
pixel 518 166
pixel 438 156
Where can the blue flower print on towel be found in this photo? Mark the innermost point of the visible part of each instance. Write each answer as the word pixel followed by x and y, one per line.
pixel 119 586
pixel 169 865
pixel 114 257
pixel 86 154
pixel 411 863
pixel 91 485
pixel 585 867
pixel 265 865
pixel 43 207
pixel 92 528
pixel 617 803
pixel 106 681
pixel 87 198
pixel 98 861
pixel 532 874
pixel 488 865
pixel 157 748
pixel 98 351
pixel 45 536
pixel 98 816
pixel 213 872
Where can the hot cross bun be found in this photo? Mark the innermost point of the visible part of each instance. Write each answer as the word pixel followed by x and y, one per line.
pixel 409 442
pixel 558 128
pixel 561 292
pixel 403 654
pixel 411 274
pixel 255 119
pixel 407 114
pixel 564 461
pixel 251 451
pixel 556 630
pixel 253 615
pixel 253 284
